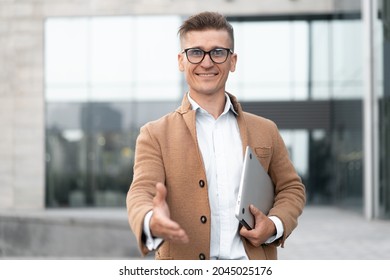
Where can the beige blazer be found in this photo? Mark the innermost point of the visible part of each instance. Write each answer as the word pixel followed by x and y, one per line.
pixel 167 151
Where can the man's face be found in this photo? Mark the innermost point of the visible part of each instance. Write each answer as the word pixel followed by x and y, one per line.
pixel 206 77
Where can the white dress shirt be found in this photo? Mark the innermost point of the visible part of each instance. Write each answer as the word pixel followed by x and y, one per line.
pixel 221 147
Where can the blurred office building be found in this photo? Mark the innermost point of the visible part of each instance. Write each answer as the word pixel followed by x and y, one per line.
pixel 79 78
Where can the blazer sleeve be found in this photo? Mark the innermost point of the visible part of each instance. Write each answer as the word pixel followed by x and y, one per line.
pixel 290 197
pixel 148 170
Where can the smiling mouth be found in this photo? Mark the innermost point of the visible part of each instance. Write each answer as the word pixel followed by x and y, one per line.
pixel 206 75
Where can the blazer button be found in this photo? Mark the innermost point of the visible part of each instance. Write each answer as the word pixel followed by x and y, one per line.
pixel 201 183
pixel 203 219
pixel 202 256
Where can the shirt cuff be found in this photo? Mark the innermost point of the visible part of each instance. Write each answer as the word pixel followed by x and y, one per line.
pixel 279 229
pixel 151 242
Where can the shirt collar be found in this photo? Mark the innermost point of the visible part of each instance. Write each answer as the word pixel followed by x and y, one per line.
pixel 228 105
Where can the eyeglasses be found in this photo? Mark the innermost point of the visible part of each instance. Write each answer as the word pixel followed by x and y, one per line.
pixel 217 55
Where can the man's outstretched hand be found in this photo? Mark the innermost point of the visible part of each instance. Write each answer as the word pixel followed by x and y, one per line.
pixel 161 224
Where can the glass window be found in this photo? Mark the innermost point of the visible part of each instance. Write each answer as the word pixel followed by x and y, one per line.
pixel 297 142
pixel 272 61
pixel 107 76
pixel 321 64
pixel 104 78
pixel 112 58
pixel 66 57
pixel 347 69
pixel 336 59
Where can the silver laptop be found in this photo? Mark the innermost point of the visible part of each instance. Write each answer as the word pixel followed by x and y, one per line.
pixel 256 188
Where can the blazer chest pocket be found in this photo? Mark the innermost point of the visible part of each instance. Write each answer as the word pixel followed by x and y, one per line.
pixel 264 155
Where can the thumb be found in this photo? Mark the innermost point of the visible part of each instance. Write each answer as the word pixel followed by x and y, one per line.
pixel 161 194
pixel 255 212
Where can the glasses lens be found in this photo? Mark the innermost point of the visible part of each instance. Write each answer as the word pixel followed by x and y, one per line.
pixel 195 55
pixel 219 55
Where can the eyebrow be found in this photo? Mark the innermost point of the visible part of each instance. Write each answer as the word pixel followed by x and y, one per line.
pixel 212 48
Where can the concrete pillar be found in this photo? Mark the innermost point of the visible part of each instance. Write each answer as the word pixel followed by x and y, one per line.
pixel 370 113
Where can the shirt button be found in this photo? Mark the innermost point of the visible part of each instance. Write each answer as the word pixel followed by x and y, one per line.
pixel 202 256
pixel 203 219
pixel 201 183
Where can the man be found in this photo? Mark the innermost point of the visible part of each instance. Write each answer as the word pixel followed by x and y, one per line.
pixel 188 164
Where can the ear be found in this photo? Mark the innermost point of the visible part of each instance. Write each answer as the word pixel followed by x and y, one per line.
pixel 180 58
pixel 233 62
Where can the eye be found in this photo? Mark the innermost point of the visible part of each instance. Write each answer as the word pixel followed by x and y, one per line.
pixel 218 52
pixel 195 52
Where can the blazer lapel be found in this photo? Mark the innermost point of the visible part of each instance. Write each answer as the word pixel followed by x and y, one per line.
pixel 241 122
pixel 189 117
pixel 243 131
pixel 190 120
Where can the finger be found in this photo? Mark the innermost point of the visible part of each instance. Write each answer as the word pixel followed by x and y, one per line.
pixel 165 223
pixel 178 236
pixel 169 227
pixel 246 233
pixel 255 211
pixel 171 230
pixel 161 226
pixel 161 193
pixel 243 231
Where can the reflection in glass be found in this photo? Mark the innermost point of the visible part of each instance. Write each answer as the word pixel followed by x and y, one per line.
pixel 89 155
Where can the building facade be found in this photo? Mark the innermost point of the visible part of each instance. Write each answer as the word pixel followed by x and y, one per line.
pixel 76 78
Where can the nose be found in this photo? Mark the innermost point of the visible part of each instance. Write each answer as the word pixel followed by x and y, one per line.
pixel 207 62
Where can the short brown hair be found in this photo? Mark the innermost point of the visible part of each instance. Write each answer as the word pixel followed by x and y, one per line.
pixel 204 21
